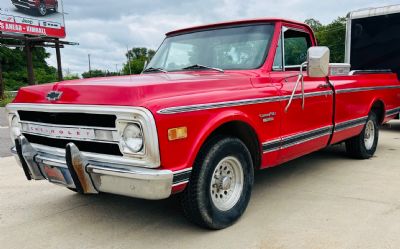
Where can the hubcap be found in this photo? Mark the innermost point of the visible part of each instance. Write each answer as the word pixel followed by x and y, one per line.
pixel 369 135
pixel 42 9
pixel 227 183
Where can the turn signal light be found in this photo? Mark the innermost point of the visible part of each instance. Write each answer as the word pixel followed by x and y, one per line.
pixel 177 133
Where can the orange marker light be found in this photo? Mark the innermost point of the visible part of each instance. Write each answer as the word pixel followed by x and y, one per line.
pixel 177 133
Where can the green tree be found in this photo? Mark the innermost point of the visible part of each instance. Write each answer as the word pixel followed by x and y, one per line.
pixel 332 35
pixel 98 73
pixel 136 59
pixel 94 73
pixel 14 66
pixel 71 77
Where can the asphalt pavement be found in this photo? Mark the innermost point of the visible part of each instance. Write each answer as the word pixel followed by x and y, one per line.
pixel 322 200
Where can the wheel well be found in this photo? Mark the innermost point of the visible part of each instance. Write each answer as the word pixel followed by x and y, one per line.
pixel 244 132
pixel 379 109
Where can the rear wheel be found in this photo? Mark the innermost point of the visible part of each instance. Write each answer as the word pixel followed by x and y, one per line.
pixel 364 145
pixel 220 185
pixel 55 7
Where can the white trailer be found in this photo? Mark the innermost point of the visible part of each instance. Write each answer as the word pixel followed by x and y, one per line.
pixel 373 39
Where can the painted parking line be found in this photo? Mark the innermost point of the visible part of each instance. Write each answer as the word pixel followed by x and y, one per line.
pixel 3 127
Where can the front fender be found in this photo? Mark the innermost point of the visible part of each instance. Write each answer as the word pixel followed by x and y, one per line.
pixel 181 154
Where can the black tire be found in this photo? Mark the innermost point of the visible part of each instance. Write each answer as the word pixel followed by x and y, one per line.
pixel 74 190
pixel 356 147
pixel 196 200
pixel 55 9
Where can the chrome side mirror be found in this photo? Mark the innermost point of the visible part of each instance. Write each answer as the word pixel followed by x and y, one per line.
pixel 318 61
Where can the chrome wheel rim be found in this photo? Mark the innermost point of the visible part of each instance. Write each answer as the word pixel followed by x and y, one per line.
pixel 42 9
pixel 369 135
pixel 227 183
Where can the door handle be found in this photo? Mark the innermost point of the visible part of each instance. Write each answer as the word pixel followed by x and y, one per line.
pixel 323 86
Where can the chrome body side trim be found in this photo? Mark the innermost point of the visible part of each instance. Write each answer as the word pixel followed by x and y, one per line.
pixel 181 176
pixel 392 112
pixel 350 124
pixel 299 138
pixel 363 89
pixel 216 105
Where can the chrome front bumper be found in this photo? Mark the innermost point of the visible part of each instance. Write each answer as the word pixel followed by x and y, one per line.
pixel 74 171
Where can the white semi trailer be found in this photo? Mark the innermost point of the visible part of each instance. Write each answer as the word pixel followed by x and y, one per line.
pixel 373 39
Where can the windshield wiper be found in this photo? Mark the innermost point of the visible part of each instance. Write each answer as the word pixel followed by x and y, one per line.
pixel 154 69
pixel 199 67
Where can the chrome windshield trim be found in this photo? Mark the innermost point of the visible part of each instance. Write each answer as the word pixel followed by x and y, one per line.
pixel 242 102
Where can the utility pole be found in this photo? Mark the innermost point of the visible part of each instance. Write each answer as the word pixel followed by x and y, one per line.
pixel 59 67
pixel 29 64
pixel 1 80
pixel 90 67
pixel 116 69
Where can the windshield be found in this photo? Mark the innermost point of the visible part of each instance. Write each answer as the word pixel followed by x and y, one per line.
pixel 243 47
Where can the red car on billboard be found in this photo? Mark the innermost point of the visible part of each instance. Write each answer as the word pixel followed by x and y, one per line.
pixel 40 7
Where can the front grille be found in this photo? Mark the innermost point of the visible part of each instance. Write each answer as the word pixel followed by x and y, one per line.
pixel 94 147
pixel 77 119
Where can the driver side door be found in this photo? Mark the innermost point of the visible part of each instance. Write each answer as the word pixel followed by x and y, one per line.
pixel 305 127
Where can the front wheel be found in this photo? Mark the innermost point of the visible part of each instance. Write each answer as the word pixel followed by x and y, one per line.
pixel 364 145
pixel 220 185
pixel 42 10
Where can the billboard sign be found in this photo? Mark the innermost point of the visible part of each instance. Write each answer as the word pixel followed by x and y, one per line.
pixel 33 17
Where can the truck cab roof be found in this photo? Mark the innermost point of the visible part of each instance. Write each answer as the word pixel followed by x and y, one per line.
pixel 237 22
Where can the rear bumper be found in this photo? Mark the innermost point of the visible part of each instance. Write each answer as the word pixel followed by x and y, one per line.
pixel 74 171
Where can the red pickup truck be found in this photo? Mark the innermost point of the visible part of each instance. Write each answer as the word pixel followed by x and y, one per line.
pixel 40 7
pixel 215 104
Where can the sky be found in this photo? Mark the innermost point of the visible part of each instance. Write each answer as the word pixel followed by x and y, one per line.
pixel 105 28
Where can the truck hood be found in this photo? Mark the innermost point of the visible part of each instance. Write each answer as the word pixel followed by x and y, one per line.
pixel 147 90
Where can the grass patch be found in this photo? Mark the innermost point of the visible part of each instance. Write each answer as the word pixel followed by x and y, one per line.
pixel 6 100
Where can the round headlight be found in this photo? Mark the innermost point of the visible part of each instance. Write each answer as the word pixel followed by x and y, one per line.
pixel 133 138
pixel 15 128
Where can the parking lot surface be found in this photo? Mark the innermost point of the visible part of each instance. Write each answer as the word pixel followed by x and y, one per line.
pixel 5 141
pixel 323 200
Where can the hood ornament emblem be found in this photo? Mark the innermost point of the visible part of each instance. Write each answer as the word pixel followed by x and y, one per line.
pixel 54 95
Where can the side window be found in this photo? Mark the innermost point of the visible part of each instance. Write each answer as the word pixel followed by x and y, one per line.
pixel 296 45
pixel 278 65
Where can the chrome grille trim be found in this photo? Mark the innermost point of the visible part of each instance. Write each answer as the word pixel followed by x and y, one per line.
pixel 150 158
